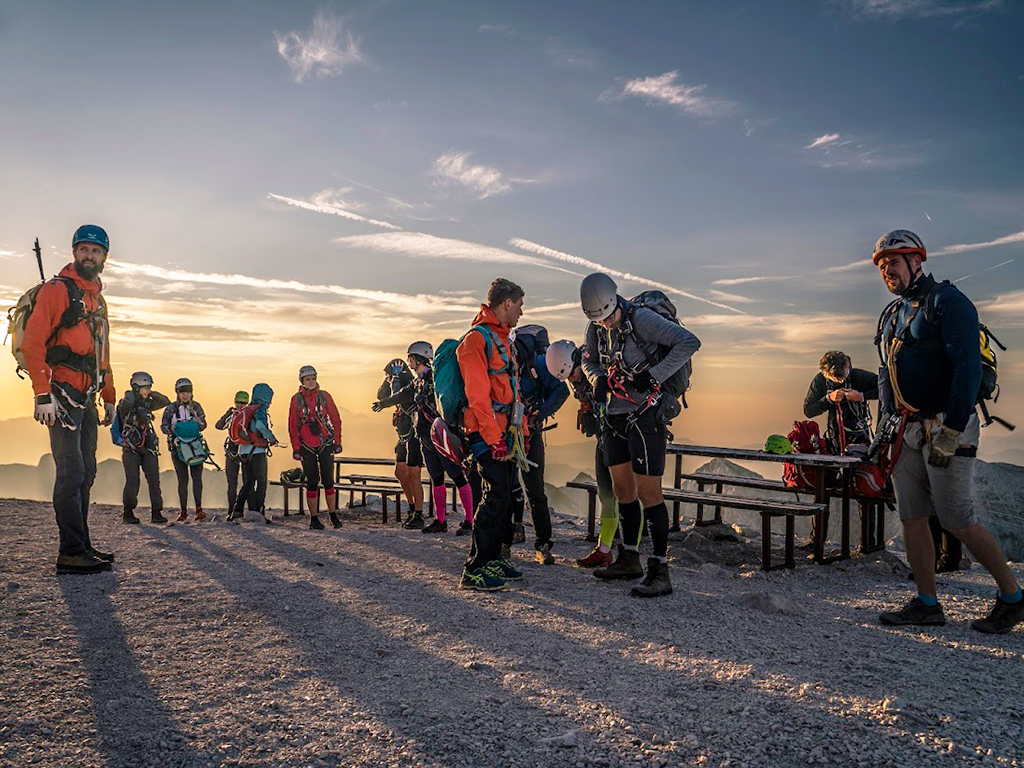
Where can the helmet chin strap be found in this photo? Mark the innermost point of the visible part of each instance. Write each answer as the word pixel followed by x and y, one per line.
pixel 914 276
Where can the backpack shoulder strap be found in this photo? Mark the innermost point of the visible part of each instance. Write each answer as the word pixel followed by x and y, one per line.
pixel 929 304
pixel 883 320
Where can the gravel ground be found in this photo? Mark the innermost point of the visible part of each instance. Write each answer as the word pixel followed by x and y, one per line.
pixel 220 645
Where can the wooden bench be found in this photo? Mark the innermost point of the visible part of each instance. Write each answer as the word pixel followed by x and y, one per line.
pixel 720 481
pixel 768 508
pixel 353 488
pixel 429 495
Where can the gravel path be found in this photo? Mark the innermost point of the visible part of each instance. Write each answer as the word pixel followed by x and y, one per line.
pixel 220 645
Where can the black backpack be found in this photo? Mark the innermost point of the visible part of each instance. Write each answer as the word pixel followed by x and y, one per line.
pixel 531 342
pixel 678 383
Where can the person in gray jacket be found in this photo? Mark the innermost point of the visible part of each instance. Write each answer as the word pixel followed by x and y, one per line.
pixel 185 408
pixel 630 353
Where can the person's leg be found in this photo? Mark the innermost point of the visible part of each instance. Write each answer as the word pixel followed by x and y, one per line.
pixel 231 469
pixel 248 483
pixel 435 471
pixel 327 481
pixel 90 439
pixel 260 473
pixel 609 504
pixel 66 447
pixel 131 461
pixel 151 466
pixel 518 501
pixel 476 484
pixel 311 471
pixel 181 471
pixel 196 472
pixel 492 515
pixel 533 479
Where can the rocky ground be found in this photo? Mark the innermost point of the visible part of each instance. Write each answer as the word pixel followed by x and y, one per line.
pixel 220 645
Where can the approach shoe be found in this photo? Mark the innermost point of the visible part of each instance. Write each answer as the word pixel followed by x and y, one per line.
pixel 504 570
pixel 156 517
pixel 182 516
pixel 315 524
pixel 481 580
pixel 543 555
pixel 106 557
pixel 506 551
pixel 518 534
pixel 465 528
pixel 596 559
pixel 413 521
pixel 436 527
pixel 656 583
pixel 335 520
pixel 130 518
pixel 1001 619
pixel 626 566
pixel 914 612
pixel 200 516
pixel 80 564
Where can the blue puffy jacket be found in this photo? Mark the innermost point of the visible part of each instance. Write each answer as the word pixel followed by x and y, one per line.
pixel 541 392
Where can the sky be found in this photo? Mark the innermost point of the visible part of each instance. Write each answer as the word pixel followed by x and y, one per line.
pixel 292 183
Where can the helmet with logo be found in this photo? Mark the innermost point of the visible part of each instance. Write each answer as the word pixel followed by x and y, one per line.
pixel 183 385
pixel 396 367
pixel 899 241
pixel 561 358
pixel 599 296
pixel 306 370
pixel 141 379
pixel 421 349
pixel 90 233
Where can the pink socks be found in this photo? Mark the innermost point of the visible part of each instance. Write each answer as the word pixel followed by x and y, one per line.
pixel 466 497
pixel 440 501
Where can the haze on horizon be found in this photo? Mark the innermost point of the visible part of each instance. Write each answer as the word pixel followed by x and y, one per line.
pixel 306 183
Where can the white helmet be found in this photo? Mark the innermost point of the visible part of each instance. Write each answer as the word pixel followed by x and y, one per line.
pixel 421 349
pixel 141 379
pixel 183 384
pixel 599 296
pixel 901 241
pixel 306 370
pixel 561 359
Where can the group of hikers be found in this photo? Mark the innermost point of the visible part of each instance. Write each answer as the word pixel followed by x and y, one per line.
pixel 474 411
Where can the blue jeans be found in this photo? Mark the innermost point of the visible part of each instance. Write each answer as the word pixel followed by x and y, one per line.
pixel 74 453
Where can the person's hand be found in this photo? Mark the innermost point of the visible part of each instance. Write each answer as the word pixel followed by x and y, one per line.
pixel 944 447
pixel 296 455
pixel 644 382
pixel 836 395
pixel 377 407
pixel 853 396
pixel 108 415
pixel 46 410
pixel 499 451
pixel 601 389
pixel 337 448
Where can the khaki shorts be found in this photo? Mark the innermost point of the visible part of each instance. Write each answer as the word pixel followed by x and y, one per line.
pixel 923 490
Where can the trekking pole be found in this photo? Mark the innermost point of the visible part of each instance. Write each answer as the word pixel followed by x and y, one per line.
pixel 39 260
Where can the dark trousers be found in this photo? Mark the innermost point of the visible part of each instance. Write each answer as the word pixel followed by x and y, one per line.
pixel 183 470
pixel 533 480
pixel 318 467
pixel 494 513
pixel 254 482
pixel 74 453
pixel 149 464
pixel 231 467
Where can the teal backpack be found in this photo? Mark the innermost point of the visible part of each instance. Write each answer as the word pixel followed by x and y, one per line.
pixel 449 386
pixel 190 445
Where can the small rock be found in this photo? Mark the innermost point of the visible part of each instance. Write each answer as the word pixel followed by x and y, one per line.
pixel 567 739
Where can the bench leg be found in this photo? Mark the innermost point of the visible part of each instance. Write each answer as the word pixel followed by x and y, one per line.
pixel 766 541
pixel 430 499
pixel 591 514
pixel 398 507
pixel 284 492
pixel 867 520
pixel 718 508
pixel 678 484
pixel 384 509
pixel 846 514
pixel 700 507
pixel 790 541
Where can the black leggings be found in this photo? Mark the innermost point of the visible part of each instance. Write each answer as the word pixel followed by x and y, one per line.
pixel 437 465
pixel 183 470
pixel 133 464
pixel 318 467
pixel 254 482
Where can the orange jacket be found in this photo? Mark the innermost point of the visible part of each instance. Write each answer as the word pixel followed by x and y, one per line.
pixel 482 389
pixel 51 302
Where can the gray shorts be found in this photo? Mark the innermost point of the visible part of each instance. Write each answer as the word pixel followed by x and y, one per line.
pixel 923 490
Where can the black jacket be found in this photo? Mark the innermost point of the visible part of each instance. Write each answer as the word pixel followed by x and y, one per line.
pixel 855 415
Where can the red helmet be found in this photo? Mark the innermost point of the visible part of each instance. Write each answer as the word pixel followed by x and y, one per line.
pixel 445 441
pixel 901 241
pixel 869 480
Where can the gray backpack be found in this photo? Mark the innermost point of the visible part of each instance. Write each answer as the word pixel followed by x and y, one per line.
pixel 679 382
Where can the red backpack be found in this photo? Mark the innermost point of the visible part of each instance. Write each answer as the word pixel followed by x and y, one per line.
pixel 806 438
pixel 240 431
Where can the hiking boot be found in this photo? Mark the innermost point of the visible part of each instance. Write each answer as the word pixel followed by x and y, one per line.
pixel 413 522
pixel 436 527
pixel 200 516
pixel 504 570
pixel 335 520
pixel 1001 619
pixel 543 555
pixel 656 583
pixel 506 551
pixel 482 581
pixel 465 528
pixel 106 557
pixel 83 563
pixel 315 524
pixel 182 516
pixel 156 517
pixel 626 566
pixel 596 559
pixel 914 612
pixel 518 534
pixel 129 517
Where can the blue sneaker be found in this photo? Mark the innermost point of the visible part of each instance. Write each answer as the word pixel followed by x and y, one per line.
pixel 481 580
pixel 504 570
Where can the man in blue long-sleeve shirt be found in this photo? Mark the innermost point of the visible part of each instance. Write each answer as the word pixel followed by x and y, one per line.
pixel 932 372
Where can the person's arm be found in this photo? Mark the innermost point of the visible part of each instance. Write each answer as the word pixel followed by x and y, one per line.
pixel 864 382
pixel 165 422
pixel 293 420
pixel 816 402
pixel 591 360
pixel 158 401
pixel 51 301
pixel 224 421
pixel 108 394
pixel 126 406
pixel 260 425
pixel 200 414
pixel 958 320
pixel 555 393
pixel 405 396
pixel 384 390
pixel 652 327
pixel 335 417
pixel 472 356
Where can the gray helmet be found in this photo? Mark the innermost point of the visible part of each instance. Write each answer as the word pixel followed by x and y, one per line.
pixel 141 379
pixel 901 241
pixel 421 349
pixel 599 296
pixel 183 384
pixel 306 370
pixel 561 359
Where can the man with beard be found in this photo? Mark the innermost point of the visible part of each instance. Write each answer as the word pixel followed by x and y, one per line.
pixel 67 354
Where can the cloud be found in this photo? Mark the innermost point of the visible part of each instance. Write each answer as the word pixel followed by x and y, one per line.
pixel 10 255
pixel 505 30
pixel 753 125
pixel 327 50
pixel 1016 237
pixel 454 169
pixel 418 245
pixel 754 279
pixel 527 245
pixel 665 89
pixel 893 10
pixel 824 140
pixel 735 298
pixel 562 54
pixel 327 201
pixel 853 265
pixel 989 269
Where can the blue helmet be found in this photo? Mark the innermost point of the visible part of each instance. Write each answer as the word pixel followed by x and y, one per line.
pixel 90 233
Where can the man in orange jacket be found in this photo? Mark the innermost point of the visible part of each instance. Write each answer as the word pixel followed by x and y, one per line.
pixel 67 354
pixel 489 370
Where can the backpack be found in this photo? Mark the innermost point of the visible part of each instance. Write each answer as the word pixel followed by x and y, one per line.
pixel 293 476
pixel 116 435
pixel 130 434
pixel 240 431
pixel 320 423
pixel 449 386
pixel 18 315
pixel 989 388
pixel 189 443
pixel 806 438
